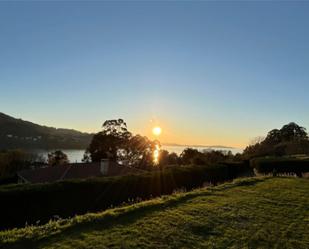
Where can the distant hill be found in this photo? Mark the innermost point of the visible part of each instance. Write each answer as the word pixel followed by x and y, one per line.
pixel 199 146
pixel 20 134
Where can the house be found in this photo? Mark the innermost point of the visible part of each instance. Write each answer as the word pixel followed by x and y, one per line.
pixel 75 171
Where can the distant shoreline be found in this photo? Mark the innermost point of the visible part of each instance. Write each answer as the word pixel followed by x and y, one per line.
pixel 77 155
pixel 200 146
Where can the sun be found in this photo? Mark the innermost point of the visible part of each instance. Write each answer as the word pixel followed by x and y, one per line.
pixel 157 131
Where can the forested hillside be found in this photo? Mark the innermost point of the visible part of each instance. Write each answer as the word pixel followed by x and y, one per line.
pixel 17 133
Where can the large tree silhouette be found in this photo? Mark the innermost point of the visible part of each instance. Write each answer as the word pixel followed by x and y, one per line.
pixel 290 139
pixel 116 143
pixel 109 141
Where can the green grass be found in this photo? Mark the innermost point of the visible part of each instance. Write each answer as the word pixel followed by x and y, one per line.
pixel 250 213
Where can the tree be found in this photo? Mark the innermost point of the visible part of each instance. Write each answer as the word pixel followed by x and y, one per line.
pixel 173 159
pixel 288 133
pixel 290 139
pixel 108 142
pixel 139 151
pixel 116 128
pixel 116 143
pixel 188 155
pixel 57 158
pixel 164 158
pixel 292 131
pixel 215 156
pixel 13 161
pixel 257 140
pixel 273 137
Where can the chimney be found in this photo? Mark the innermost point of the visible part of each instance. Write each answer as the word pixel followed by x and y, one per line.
pixel 104 166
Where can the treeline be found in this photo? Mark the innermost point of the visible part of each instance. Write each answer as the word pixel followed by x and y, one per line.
pixel 291 139
pixel 206 157
pixel 12 161
pixel 282 151
pixel 118 144
pixel 21 204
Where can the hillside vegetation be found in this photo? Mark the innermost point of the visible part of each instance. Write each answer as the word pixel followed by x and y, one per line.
pixel 28 203
pixel 20 134
pixel 249 213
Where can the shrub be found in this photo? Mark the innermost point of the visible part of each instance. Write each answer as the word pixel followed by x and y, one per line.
pixel 237 169
pixel 281 165
pixel 15 160
pixel 11 179
pixel 32 202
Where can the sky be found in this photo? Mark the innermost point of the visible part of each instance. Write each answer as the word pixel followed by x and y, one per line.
pixel 208 73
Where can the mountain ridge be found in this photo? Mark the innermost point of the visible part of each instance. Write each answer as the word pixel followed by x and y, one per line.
pixel 21 134
pixel 198 145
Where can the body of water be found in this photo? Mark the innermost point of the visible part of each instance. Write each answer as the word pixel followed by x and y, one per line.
pixel 179 149
pixel 77 155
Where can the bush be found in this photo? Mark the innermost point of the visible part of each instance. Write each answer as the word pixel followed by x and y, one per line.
pixel 281 165
pixel 11 179
pixel 237 169
pixel 30 203
pixel 13 161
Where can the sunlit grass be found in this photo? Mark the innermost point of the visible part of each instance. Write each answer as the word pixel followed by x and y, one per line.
pixel 250 213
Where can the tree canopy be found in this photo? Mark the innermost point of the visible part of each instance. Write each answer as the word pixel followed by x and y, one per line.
pixel 57 158
pixel 116 143
pixel 290 139
pixel 108 142
pixel 206 157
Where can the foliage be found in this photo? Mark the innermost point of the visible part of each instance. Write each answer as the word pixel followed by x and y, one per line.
pixel 193 156
pixel 281 165
pixel 290 139
pixel 116 128
pixel 12 161
pixel 166 158
pixel 108 142
pixel 118 144
pixel 188 155
pixel 238 169
pixel 57 157
pixel 8 179
pixel 139 152
pixel 20 134
pixel 29 203
pixel 251 213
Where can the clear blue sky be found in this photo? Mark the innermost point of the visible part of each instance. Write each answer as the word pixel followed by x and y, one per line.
pixel 207 72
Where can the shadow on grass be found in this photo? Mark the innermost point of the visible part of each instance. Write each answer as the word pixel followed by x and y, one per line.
pixel 127 217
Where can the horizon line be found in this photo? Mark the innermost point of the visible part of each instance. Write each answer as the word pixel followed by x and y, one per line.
pixel 199 145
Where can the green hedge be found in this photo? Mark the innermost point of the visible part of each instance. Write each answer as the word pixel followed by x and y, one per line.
pixel 11 179
pixel 281 165
pixel 30 203
pixel 236 169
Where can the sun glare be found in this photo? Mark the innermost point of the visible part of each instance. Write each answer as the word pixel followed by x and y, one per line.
pixel 156 154
pixel 156 131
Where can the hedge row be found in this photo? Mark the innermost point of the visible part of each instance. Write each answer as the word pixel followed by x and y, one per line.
pixel 281 165
pixel 29 203
pixel 8 179
pixel 237 169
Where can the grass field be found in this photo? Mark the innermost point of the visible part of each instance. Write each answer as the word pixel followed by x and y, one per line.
pixel 249 213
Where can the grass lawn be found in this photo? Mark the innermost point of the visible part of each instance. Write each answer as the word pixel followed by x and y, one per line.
pixel 250 213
